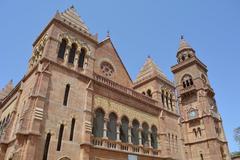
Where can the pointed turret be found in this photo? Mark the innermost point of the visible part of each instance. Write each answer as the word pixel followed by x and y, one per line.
pixel 185 51
pixel 149 69
pixel 72 18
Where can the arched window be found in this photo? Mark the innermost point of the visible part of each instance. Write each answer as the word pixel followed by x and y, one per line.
pixel 187 81
pixel 199 131
pixel 65 100
pixel 201 155
pixel 112 127
pixel 81 58
pixel 46 146
pixel 60 135
pixel 145 134
pixel 134 132
pixel 124 129
pixel 143 93
pixel 183 57
pixel 4 123
pixel 72 53
pixel 163 97
pixel 98 123
pixel 149 93
pixel 171 102
pixel 167 100
pixel 72 129
pixel 8 118
pixel 62 49
pixel 154 137
pixel 195 132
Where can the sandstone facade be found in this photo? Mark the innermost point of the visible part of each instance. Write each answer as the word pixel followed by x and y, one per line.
pixel 78 102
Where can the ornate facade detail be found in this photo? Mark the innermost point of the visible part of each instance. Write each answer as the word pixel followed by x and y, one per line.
pixel 77 102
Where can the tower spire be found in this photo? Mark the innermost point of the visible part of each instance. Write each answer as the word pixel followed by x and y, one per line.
pixel 184 50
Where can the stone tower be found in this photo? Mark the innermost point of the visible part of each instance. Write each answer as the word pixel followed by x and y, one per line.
pixel 204 136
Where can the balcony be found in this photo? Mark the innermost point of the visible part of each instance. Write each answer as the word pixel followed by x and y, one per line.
pixel 124 147
pixel 188 90
pixel 123 89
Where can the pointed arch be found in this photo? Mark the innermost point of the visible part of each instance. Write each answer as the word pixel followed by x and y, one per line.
pixel 112 126
pixel 145 132
pixel 72 53
pixel 98 123
pixel 46 146
pixel 60 136
pixel 62 48
pixel 72 129
pixel 65 100
pixel 134 132
pixel 82 57
pixel 124 129
pixel 154 137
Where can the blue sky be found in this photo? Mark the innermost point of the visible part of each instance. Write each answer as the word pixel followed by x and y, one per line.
pixel 140 28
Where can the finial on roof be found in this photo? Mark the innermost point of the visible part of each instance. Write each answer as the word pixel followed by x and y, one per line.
pixel 182 37
pixel 108 33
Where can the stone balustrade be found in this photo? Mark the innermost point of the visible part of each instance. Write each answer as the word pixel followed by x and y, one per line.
pixel 98 142
pixel 124 89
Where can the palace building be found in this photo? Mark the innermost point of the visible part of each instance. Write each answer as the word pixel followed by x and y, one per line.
pixel 78 102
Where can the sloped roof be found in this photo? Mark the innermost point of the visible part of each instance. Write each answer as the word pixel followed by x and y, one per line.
pixel 149 69
pixel 183 45
pixel 70 16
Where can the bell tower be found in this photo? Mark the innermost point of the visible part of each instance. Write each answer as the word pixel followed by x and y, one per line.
pixel 202 128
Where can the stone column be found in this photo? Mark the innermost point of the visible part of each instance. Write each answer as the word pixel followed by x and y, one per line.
pixel 165 99
pixel 66 54
pixel 75 63
pixel 149 140
pixel 140 136
pixel 118 131
pixel 129 134
pixel 105 128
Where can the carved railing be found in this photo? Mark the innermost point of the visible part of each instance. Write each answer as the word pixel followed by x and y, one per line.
pixel 124 147
pixel 188 89
pixel 123 89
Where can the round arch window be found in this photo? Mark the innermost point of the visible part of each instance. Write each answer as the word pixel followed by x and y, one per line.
pixel 107 69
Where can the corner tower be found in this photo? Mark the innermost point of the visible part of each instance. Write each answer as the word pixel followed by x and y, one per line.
pixel 202 128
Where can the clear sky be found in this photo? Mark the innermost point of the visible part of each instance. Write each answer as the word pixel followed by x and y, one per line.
pixel 139 28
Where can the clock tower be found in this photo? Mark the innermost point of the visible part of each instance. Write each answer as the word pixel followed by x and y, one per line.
pixel 201 122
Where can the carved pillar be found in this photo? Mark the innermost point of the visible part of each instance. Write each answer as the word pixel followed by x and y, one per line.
pixel 105 128
pixel 140 136
pixel 75 63
pixel 149 140
pixel 66 54
pixel 130 134
pixel 118 131
pixel 165 99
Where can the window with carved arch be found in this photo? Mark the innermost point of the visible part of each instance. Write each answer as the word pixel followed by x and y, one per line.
pixel 144 133
pixel 72 53
pixel 154 135
pixel 62 48
pixel 187 81
pixel 107 69
pixel 82 57
pixel 124 129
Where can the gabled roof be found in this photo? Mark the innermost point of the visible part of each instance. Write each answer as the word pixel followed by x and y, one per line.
pixel 149 69
pixel 108 40
pixel 70 16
